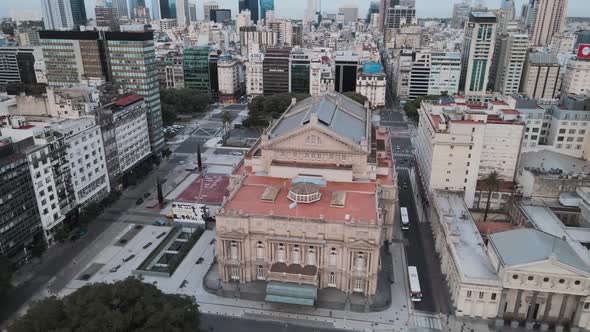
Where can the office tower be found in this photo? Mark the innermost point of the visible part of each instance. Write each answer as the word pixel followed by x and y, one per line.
pixel 243 20
pixel 220 15
pixel 155 9
pixel 276 70
pixel 445 73
pixel 346 70
pixel 575 80
pixel 419 75
pixel 350 13
pixel 107 17
pixel 230 86
pixel 196 69
pixel 122 8
pixel 182 13
pixel 373 9
pixel 509 9
pixel 171 71
pixel 20 221
pixel 93 57
pixel 63 14
pixel 461 12
pixel 252 6
pixel 478 52
pixel 300 64
pixel 541 79
pixel 582 37
pixel 310 12
pixel 549 19
pixel 399 16
pixel 509 58
pixel 254 75
pixel 297 35
pixel 192 8
pixel 265 6
pixel 78 13
pixel 168 8
pixel 17 64
pixel 213 77
pixel 207 6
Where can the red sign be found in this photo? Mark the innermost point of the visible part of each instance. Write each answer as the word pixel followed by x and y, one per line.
pixel 584 51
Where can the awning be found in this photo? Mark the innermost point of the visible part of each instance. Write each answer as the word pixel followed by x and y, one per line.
pixel 283 292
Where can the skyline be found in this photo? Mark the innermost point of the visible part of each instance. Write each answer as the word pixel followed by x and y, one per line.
pixel 30 9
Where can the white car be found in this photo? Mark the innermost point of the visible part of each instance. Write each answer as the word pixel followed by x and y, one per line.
pixel 181 162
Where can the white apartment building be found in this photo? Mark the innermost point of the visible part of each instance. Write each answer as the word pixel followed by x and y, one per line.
pixel 372 86
pixel 576 79
pixel 254 77
pixel 541 78
pixel 478 51
pixel 401 73
pixel 182 13
pixel 207 6
pixel 228 73
pixel 57 14
pixel 131 130
pixel 71 103
pixel 243 19
pixel 457 144
pixel 284 28
pixel 86 158
pixel 445 73
pixel 549 19
pixel 321 75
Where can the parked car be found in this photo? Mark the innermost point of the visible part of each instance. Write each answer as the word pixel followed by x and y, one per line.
pixel 139 201
pixel 181 162
pixel 115 269
pixel 405 185
pixel 200 260
pixel 159 223
pixel 146 195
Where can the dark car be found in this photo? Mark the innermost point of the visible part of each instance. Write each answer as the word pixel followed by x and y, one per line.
pixel 115 269
pixel 146 195
pixel 405 185
pixel 200 260
pixel 139 201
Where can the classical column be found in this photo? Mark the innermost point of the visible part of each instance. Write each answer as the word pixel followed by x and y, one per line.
pixel 531 309
pixel 566 297
pixel 517 303
pixel 547 306
pixel 501 304
pixel 578 313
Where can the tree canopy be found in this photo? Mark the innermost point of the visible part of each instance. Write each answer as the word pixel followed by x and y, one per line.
pixel 128 305
pixel 411 107
pixel 182 101
pixel 262 109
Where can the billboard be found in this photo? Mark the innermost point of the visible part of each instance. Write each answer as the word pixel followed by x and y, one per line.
pixel 584 51
pixel 372 68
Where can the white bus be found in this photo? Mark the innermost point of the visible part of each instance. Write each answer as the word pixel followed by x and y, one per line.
pixel 405 218
pixel 415 292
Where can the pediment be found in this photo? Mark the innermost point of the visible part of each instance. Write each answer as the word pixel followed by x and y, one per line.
pixel 550 267
pixel 231 234
pixel 313 137
pixel 362 245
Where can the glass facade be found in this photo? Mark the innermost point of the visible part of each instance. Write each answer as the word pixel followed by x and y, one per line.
pixel 167 8
pixel 266 5
pixel 300 77
pixel 196 69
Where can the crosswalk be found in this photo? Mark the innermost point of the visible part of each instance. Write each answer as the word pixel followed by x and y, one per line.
pixel 427 321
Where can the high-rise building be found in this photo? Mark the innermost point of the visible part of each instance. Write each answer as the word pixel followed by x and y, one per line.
pixel 196 68
pixel 242 20
pixel 373 85
pixel 398 16
pixel 576 79
pixel 276 70
pixel 541 78
pixel 478 52
pixel 213 77
pixel 509 9
pixel 346 71
pixel 220 15
pixel 373 9
pixel 171 71
pixel 63 14
pixel 230 85
pixel 207 6
pixel 182 13
pixel 254 75
pixel 310 12
pixel 445 73
pixel 17 64
pixel 300 65
pixel 297 35
pixel 549 19
pixel 20 221
pixel 461 12
pixel 419 75
pixel 192 9
pixel 168 8
pixel 93 57
pixel 122 8
pixel 509 58
pixel 252 6
pixel 350 13
pixel 265 6
pixel 107 17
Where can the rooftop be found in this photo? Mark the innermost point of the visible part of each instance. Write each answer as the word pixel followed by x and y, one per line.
pixel 339 201
pixel 543 59
pixel 550 163
pixel 333 110
pixel 527 245
pixel 205 189
pixel 468 248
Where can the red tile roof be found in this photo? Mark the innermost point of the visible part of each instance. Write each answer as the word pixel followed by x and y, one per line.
pixel 498 102
pixel 490 227
pixel 511 112
pixel 127 99
pixel 360 205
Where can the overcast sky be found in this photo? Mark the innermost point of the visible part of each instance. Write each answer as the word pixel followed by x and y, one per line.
pixel 21 9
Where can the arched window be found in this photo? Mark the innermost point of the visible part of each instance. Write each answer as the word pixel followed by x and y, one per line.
pixel 311 256
pixel 281 253
pixel 296 255
pixel 259 250
pixel 233 250
pixel 359 262
pixel 332 257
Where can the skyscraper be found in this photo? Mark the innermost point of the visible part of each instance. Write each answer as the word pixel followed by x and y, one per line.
pixel 63 14
pixel 196 68
pixel 549 18
pixel 350 13
pixel 207 6
pixel 373 9
pixel 478 51
pixel 300 65
pixel 182 13
pixel 461 12
pixel 252 6
pixel 266 5
pixel 126 59
pixel 122 9
pixel 168 9
pixel 192 9
pixel 509 58
pixel 275 70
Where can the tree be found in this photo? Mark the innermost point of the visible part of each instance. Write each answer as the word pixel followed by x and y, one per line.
pixel 261 110
pixel 5 275
pixel 128 305
pixel 226 119
pixel 411 107
pixel 168 116
pixel 183 101
pixel 356 97
pixel 491 182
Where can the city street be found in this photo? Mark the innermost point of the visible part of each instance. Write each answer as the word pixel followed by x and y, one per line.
pixel 418 239
pixel 222 323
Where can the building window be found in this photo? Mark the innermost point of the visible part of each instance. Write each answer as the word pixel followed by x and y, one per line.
pixel 493 296
pixel 481 294
pixel 468 293
pixel 545 279
pixel 310 256
pixel 561 281
pixel 281 254
pixel 332 279
pixel 587 305
pixel 233 250
pixel 359 286
pixel 531 278
pixel 259 250
pixel 332 257
pixel 577 282
pixel 235 273
pixel 296 255
pixel 359 262
pixel 515 276
pixel 260 272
